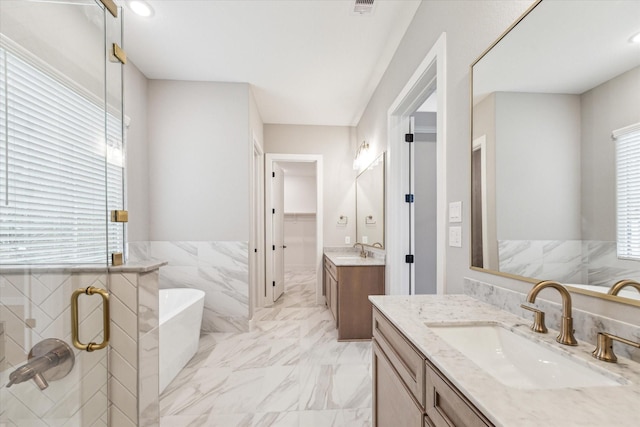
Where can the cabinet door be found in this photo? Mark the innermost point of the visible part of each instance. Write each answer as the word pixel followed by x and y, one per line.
pixel 407 361
pixel 326 291
pixel 333 299
pixel 393 404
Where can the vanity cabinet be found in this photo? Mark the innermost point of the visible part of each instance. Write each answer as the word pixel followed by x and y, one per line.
pixel 331 287
pixel 347 289
pixel 408 390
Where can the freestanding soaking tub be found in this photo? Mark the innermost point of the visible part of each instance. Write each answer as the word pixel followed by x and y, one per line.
pixel 180 321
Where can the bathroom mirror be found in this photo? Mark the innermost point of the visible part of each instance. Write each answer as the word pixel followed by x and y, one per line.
pixel 370 204
pixel 546 98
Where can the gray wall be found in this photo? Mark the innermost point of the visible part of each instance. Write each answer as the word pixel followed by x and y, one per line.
pixel 189 151
pixel 336 145
pixel 484 123
pixel 199 161
pixel 471 26
pixel 537 166
pixel 137 149
pixel 610 106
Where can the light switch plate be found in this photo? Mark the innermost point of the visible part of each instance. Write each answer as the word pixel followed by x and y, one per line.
pixel 347 240
pixel 455 212
pixel 455 237
pixel 365 239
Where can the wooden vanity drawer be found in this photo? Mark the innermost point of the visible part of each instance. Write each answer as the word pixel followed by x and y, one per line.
pixel 333 270
pixel 446 406
pixel 406 360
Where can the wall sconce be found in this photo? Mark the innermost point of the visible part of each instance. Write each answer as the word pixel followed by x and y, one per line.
pixel 362 156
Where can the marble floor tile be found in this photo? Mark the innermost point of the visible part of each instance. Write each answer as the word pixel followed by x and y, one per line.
pixel 288 370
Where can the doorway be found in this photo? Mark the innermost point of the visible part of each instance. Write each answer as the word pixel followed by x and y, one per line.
pixel 424 187
pixel 293 220
pixel 418 170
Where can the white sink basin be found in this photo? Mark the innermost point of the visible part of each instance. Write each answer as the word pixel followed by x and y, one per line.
pixel 519 362
pixel 349 258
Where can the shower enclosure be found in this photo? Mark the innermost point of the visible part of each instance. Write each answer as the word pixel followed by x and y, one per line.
pixel 61 178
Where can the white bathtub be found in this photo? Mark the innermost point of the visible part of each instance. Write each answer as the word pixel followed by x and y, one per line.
pixel 180 322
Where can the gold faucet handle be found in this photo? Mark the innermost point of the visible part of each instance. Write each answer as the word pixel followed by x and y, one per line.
pixel 604 346
pixel 538 320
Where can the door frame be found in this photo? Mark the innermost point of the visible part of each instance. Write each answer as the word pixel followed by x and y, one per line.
pixel 256 244
pixel 270 158
pixel 276 231
pixel 398 273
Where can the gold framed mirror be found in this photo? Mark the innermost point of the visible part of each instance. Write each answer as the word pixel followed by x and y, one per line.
pixel 546 98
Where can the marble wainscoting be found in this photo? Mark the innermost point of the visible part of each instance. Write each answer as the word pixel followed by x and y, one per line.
pixel 220 269
pixel 587 325
pixel 560 260
pixel 588 262
pixel 604 267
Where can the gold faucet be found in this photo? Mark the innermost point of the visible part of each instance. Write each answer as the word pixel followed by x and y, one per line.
pixel 604 346
pixel 538 320
pixel 623 284
pixel 363 253
pixel 566 326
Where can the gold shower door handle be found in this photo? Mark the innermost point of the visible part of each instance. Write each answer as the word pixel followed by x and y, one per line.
pixel 75 322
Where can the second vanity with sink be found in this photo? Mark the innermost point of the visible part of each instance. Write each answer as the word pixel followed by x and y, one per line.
pixel 348 281
pixel 435 364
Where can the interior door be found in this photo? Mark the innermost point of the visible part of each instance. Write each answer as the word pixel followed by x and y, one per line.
pixel 277 229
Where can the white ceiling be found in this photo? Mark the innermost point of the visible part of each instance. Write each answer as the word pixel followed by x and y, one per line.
pixel 308 61
pixel 562 47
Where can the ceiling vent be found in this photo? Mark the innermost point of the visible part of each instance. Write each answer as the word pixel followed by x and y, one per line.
pixel 363 7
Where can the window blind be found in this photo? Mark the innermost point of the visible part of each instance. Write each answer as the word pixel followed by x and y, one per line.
pixel 627 142
pixel 59 169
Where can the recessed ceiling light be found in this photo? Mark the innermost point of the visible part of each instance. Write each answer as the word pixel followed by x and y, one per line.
pixel 140 7
pixel 635 38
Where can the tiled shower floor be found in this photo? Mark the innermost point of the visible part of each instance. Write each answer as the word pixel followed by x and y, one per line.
pixel 288 371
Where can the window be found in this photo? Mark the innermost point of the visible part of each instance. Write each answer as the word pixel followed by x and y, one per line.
pixel 58 177
pixel 628 191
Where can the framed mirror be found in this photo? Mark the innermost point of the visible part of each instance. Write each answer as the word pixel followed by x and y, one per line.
pixel 370 204
pixel 549 100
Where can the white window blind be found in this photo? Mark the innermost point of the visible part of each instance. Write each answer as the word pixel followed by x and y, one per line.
pixel 627 142
pixel 58 177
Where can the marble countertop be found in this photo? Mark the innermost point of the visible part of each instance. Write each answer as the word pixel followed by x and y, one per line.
pixel 133 267
pixel 503 405
pixel 348 258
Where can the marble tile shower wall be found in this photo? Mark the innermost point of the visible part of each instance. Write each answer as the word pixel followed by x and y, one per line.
pixel 36 305
pixel 134 351
pixel 588 262
pixel 587 325
pixel 221 269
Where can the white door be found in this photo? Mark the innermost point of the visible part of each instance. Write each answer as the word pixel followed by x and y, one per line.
pixel 277 229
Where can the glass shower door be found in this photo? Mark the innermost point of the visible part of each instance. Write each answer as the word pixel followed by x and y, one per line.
pixel 55 116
